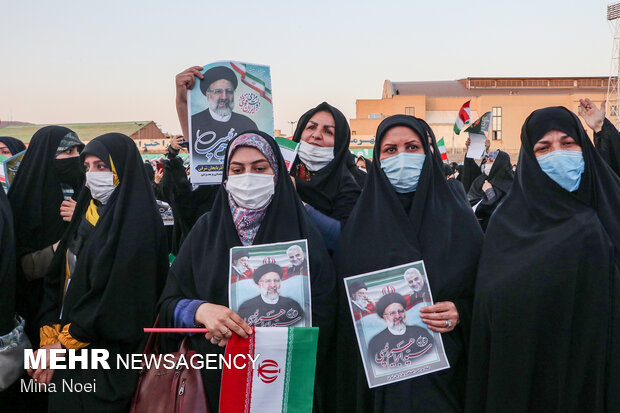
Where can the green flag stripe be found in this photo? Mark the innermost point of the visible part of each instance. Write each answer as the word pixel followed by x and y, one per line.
pixel 287 143
pixel 300 367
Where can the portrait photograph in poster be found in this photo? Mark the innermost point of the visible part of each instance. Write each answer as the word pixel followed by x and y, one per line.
pixel 394 343
pixel 269 285
pixel 233 97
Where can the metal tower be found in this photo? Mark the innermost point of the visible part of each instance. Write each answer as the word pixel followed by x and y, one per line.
pixel 613 93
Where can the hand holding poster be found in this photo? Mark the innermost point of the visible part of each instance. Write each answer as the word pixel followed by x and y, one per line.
pixel 232 98
pixel 270 284
pixel 394 343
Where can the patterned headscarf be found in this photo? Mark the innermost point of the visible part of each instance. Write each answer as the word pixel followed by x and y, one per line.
pixel 493 155
pixel 68 141
pixel 247 221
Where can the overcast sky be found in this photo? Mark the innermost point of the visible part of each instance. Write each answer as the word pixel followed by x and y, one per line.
pixel 85 61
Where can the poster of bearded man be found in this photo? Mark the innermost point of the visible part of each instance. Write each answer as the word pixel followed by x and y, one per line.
pixel 393 341
pixel 232 98
pixel 274 289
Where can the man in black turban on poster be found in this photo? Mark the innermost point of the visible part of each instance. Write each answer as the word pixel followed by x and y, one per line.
pixel 219 120
pixel 269 308
pixel 399 343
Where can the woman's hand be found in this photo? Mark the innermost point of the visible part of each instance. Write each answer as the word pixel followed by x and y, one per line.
pixel 221 322
pixel 591 114
pixel 486 185
pixel 441 317
pixel 158 175
pixel 44 374
pixel 66 209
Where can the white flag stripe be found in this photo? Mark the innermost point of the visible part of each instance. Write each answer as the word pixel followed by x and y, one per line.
pixel 269 376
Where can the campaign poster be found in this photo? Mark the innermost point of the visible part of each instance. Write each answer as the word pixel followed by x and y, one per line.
pixel 270 284
pixel 9 169
pixel 233 97
pixel 394 343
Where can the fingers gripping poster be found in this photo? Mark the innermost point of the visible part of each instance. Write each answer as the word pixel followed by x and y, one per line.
pixel 232 98
pixel 394 343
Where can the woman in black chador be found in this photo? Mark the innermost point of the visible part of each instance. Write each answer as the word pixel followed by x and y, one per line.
pixel 490 188
pixel 545 331
pixel 256 204
pixel 106 276
pixel 407 212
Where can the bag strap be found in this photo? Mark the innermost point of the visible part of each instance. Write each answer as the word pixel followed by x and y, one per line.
pixel 148 349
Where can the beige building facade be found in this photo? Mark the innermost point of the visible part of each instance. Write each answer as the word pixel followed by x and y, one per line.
pixel 510 99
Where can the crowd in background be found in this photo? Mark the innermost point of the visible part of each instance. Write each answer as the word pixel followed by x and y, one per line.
pixel 522 257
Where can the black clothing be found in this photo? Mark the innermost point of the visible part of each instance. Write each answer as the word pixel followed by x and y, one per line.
pixel 118 276
pixel 35 197
pixel 500 178
pixel 285 313
pixel 357 173
pixel 457 188
pixel 332 190
pixel 187 204
pixel 203 122
pixel 471 171
pixel 386 348
pixel 607 142
pixel 387 229
pixel 7 267
pixel 14 145
pixel 545 332
pixel 201 269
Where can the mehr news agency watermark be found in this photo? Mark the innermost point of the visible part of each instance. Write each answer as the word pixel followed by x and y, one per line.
pixel 61 359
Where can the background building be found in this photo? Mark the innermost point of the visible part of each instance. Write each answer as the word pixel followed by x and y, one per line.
pixel 510 99
pixel 147 135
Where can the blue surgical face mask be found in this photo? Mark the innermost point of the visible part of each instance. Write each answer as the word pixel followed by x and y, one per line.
pixel 403 171
pixel 564 167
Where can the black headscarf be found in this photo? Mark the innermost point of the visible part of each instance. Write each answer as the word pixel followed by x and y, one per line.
pixel 332 190
pixel 7 267
pixel 545 333
pixel 201 270
pixel 35 197
pixel 118 276
pixel 357 173
pixel 385 230
pixel 14 145
pixel 36 194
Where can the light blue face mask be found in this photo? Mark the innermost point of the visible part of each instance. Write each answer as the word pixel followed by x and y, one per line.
pixel 403 171
pixel 564 167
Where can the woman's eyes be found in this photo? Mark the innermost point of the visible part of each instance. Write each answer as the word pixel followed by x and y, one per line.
pixel 412 147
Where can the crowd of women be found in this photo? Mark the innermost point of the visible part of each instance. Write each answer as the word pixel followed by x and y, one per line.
pixel 528 309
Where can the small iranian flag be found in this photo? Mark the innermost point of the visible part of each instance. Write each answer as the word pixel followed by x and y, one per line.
pixel 289 149
pixel 442 149
pixel 463 117
pixel 283 379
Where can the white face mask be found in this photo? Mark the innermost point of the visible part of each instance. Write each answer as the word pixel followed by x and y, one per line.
pixel 101 185
pixel 315 157
pixel 251 191
pixel 486 168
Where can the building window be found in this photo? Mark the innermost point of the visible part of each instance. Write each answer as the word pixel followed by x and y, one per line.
pixel 374 116
pixel 496 130
pixel 410 111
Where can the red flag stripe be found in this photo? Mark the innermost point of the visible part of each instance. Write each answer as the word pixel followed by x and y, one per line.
pixel 236 387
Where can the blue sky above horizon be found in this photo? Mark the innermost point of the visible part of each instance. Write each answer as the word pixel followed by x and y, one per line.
pixel 80 61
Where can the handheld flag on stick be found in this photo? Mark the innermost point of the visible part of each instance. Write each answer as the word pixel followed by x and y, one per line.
pixel 463 117
pixel 283 375
pixel 442 149
pixel 483 124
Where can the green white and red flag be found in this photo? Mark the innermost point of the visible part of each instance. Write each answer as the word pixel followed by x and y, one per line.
pixel 442 149
pixel 463 117
pixel 289 149
pixel 252 81
pixel 283 377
